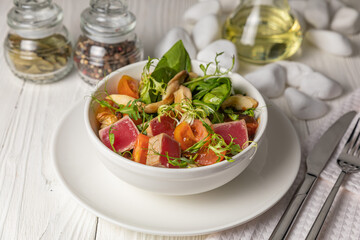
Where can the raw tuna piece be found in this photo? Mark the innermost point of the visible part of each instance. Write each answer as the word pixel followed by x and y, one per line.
pixel 125 133
pixel 165 125
pixel 235 129
pixel 162 144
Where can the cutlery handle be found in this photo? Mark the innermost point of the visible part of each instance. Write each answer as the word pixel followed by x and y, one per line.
pixel 287 219
pixel 320 219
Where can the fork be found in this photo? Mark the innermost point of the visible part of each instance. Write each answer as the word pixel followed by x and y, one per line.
pixel 349 162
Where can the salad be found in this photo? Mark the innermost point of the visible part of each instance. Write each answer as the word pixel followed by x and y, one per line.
pixel 175 118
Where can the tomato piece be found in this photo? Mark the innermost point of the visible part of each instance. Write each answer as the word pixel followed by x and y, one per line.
pixel 128 86
pixel 187 135
pixel 207 156
pixel 184 135
pixel 199 130
pixel 251 128
pixel 141 148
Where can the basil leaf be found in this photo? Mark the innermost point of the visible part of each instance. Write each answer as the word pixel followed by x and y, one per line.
pixel 212 91
pixel 172 62
pixel 231 114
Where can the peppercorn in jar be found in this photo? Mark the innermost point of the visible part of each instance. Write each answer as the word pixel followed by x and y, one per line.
pixel 108 41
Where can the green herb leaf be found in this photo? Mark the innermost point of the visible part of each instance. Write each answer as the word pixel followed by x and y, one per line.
pixel 249 112
pixel 112 138
pixel 211 90
pixel 233 116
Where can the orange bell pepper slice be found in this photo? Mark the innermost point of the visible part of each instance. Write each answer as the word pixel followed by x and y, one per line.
pixel 128 86
pixel 141 148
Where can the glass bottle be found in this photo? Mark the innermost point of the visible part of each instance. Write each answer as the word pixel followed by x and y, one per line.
pixel 108 41
pixel 37 47
pixel 263 31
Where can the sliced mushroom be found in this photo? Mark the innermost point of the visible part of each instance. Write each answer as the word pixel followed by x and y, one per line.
pixel 180 95
pixel 193 75
pixel 175 83
pixel 153 107
pixel 240 102
pixel 123 99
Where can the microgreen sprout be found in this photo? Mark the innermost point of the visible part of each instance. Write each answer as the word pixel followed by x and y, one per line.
pixel 148 83
pixel 217 72
pixel 123 154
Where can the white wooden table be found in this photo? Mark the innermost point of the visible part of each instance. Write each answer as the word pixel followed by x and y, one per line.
pixel 33 204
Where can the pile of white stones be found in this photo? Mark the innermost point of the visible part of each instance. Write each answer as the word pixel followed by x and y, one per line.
pixel 326 23
pixel 303 88
pixel 330 22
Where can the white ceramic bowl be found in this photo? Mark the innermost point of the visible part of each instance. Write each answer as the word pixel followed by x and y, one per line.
pixel 172 181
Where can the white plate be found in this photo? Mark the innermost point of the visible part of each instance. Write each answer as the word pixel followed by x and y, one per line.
pixel 258 188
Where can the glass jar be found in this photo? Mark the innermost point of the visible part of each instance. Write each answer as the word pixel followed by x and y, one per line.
pixel 108 41
pixel 37 47
pixel 263 31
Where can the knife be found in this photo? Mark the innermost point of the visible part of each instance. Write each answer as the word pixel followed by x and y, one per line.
pixel 315 163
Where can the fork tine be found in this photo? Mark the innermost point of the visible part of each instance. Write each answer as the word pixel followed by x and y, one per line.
pixel 357 146
pixel 351 140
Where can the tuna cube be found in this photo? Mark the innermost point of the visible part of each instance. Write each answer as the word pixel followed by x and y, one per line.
pixel 235 129
pixel 162 144
pixel 125 133
pixel 165 125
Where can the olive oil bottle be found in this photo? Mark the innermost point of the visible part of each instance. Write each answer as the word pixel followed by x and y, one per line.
pixel 263 33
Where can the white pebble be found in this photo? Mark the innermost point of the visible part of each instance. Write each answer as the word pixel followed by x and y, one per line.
pixel 227 5
pixel 317 13
pixel 335 5
pixel 226 59
pixel 317 85
pixel 303 106
pixel 206 31
pixel 174 35
pixel 298 5
pixel 346 20
pixel 294 72
pixel 329 41
pixel 269 80
pixel 200 10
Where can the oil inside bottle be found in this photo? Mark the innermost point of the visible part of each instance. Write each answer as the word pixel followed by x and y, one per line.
pixel 263 34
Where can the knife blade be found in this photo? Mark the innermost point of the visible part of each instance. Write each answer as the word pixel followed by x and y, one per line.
pixel 315 162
